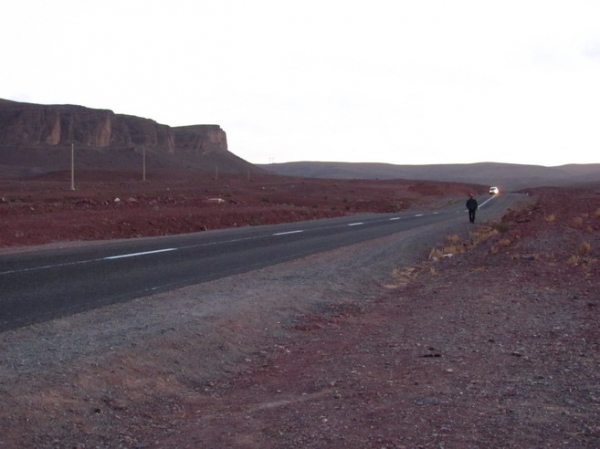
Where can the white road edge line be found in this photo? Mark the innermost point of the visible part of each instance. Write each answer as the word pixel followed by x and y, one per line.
pixel 122 256
pixel 487 201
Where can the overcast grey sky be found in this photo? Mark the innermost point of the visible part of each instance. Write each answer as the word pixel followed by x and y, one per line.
pixel 403 82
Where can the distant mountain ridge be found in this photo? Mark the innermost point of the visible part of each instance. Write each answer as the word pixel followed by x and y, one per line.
pixel 39 137
pixel 506 176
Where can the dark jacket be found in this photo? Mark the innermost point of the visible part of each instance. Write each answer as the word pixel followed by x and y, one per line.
pixel 472 204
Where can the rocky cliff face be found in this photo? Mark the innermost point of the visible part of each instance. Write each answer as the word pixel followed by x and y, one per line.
pixel 35 129
pixel 32 125
pixel 200 139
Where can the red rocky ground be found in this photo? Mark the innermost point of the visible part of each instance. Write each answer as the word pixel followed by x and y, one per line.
pixel 109 206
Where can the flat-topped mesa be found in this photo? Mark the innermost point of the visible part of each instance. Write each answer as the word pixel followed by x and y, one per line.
pixel 34 126
pixel 41 137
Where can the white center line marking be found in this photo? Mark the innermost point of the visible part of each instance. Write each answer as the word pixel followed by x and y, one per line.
pixel 356 224
pixel 395 218
pixel 289 232
pixel 46 267
pixel 419 215
pixel 122 256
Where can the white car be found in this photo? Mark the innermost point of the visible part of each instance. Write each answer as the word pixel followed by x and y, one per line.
pixel 494 191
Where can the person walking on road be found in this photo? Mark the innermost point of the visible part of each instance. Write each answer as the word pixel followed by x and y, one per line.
pixel 472 207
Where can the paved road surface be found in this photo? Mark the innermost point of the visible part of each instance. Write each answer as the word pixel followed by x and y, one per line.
pixel 35 287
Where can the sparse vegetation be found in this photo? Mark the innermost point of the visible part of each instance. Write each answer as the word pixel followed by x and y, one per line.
pixel 435 254
pixel 454 245
pixel 584 249
pixel 551 217
pixel 505 242
pixel 453 239
pixel 483 233
pixel 501 227
pixel 453 250
pixel 402 277
pixel 577 222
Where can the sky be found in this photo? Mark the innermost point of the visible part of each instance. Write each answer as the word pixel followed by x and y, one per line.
pixel 399 81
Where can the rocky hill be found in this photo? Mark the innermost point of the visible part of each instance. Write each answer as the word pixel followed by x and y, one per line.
pixel 36 138
pixel 507 176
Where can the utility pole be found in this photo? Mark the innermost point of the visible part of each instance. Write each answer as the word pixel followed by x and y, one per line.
pixel 72 166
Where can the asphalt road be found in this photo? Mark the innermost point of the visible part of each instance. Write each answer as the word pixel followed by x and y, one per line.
pixel 40 286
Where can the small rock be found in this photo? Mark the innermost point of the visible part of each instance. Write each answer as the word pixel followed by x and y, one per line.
pixel 428 401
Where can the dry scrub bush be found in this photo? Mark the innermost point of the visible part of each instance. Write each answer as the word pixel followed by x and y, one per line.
pixel 501 227
pixel 453 239
pixel 484 233
pixel 551 217
pixel 582 257
pixel 435 254
pixel 402 277
pixel 577 222
pixel 454 246
pixel 453 249
pixel 584 248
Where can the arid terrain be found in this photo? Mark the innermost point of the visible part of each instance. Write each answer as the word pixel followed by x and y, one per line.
pixel 44 209
pixel 457 336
